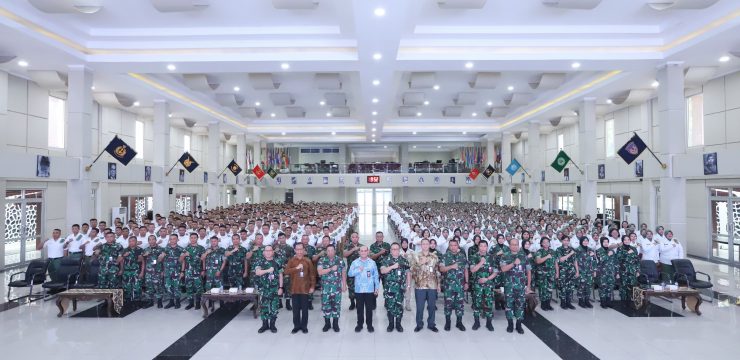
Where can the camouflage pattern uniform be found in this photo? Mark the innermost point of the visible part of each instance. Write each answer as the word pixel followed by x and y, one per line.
pixel 483 293
pixel 606 273
pixel 214 261
pixel 235 267
pixel 515 284
pixel 586 267
pixel 453 281
pixel 268 285
pixel 108 258
pixel 131 270
pixel 331 292
pixel 567 279
pixel 172 271
pixel 629 266
pixel 394 285
pixel 283 253
pixel 153 273
pixel 256 256
pixel 545 274
pixel 350 259
pixel 193 281
pixel 376 248
pixel 497 252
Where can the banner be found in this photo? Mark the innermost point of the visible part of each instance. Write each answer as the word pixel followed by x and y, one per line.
pixel 188 162
pixel 120 150
pixel 632 149
pixel 560 161
pixel 488 171
pixel 235 168
pixel 258 172
pixel 474 173
pixel 513 167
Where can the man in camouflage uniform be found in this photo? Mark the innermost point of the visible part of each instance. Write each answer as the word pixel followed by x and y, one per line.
pixel 254 255
pixel 192 270
pixel 454 268
pixel 379 248
pixel 629 268
pixel 606 271
pixel 482 266
pixel 133 271
pixel 213 266
pixel 566 273
pixel 331 269
pixel 153 272
pixel 545 258
pixel 109 256
pixel 586 259
pixel 283 253
pixel 236 257
pixel 517 273
pixel 269 283
pixel 498 250
pixel 397 277
pixel 172 271
pixel 352 252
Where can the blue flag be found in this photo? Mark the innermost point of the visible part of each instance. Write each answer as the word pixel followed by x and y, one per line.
pixel 513 167
pixel 632 149
pixel 120 150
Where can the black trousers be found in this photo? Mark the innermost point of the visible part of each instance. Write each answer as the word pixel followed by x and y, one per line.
pixel 365 306
pixel 300 311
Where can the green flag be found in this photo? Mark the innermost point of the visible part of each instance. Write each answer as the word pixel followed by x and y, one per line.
pixel 560 161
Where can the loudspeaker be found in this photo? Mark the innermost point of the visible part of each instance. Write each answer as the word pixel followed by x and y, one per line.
pixel 578 189
pixel 513 190
pixel 233 192
pixel 171 191
pixel 289 197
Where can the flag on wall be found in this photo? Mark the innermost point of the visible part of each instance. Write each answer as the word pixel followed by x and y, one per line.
pixel 258 172
pixel 474 173
pixel 513 167
pixel 632 149
pixel 488 171
pixel 560 161
pixel 272 172
pixel 235 168
pixel 120 150
pixel 188 162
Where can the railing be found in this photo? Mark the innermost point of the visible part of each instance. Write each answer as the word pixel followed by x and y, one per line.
pixel 374 168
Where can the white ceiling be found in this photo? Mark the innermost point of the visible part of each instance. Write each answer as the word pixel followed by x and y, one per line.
pixel 128 45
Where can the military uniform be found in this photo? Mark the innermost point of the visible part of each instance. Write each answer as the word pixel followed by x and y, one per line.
pixel 131 271
pixel 515 287
pixel 214 261
pixel 375 248
pixel 172 274
pixel 567 275
pixel 351 279
pixel 606 274
pixel 586 267
pixel 235 267
pixel 483 293
pixel 283 253
pixel 394 285
pixel 256 256
pixel 193 268
pixel 453 280
pixel 497 252
pixel 629 266
pixel 331 292
pixel 545 276
pixel 153 274
pixel 108 258
pixel 267 285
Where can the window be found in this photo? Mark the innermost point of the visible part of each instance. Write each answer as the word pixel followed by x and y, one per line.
pixel 139 140
pixel 695 120
pixel 561 141
pixel 56 122
pixel 564 202
pixel 609 137
pixel 186 143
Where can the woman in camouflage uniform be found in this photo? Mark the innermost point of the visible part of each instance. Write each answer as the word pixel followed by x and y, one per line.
pixel 606 271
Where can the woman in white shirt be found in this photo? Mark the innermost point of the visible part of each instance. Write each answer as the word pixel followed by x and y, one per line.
pixel 670 249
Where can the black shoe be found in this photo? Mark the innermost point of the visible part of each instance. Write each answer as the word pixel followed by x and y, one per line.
pixel 519 327
pixel 351 303
pixel 460 325
pixel 562 304
pixel 190 305
pixel 264 327
pixel 304 330
pixel 398 324
pixel 310 306
pixel 295 330
pixel 418 328
pixel 327 325
pixel 476 323
pixel 273 329
pixel 587 302
pixel 159 303
pixel 288 306
pixel 280 304
pixel 569 305
pixel 544 305
pixel 177 304
pixel 549 305
pixel 147 304
pixel 581 303
pixel 447 323
pixel 358 328
pixel 370 328
pixel 489 324
pixel 510 327
pixel 391 322
pixel 169 304
pixel 335 324
pixel 197 304
pixel 433 328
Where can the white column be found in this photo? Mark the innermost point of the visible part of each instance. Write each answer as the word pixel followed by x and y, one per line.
pixel 587 157
pixel 534 159
pixel 256 190
pixel 491 158
pixel 160 189
pixel 241 159
pixel 672 134
pixel 505 161
pixel 403 157
pixel 79 144
pixel 3 108
pixel 214 168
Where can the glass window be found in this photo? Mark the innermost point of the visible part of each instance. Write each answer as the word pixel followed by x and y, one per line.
pixel 186 143
pixel 56 122
pixel 561 141
pixel 609 137
pixel 139 140
pixel 695 120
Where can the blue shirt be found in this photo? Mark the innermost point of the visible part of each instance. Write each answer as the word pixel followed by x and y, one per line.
pixel 367 280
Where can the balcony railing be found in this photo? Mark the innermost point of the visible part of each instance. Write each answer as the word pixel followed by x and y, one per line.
pixel 377 168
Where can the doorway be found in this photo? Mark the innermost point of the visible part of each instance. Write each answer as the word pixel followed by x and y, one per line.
pixel 23 224
pixel 724 226
pixel 373 209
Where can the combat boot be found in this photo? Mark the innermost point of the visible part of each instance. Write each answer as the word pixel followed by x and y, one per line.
pixel 197 303
pixel 177 303
pixel 398 324
pixel 169 304
pixel 476 323
pixel 327 325
pixel 447 323
pixel 190 304
pixel 264 327
pixel 288 305
pixel 510 326
pixel 351 303
pixel 519 327
pixel 273 329
pixel 280 303
pixel 562 304
pixel 335 324
pixel 489 324
pixel 587 302
pixel 159 303
pixel 569 305
pixel 459 324
pixel 581 303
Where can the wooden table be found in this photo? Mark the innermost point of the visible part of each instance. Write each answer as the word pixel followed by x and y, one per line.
pixel 641 297
pixel 113 299
pixel 531 300
pixel 228 297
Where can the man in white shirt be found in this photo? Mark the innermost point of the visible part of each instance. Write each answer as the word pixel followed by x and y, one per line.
pixel 162 237
pixel 89 244
pixel 183 237
pixel 54 250
pixel 203 239
pixel 73 242
pixel 123 237
pixel 649 248
pixel 142 238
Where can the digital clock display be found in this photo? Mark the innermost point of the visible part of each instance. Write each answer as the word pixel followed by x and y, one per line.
pixel 373 179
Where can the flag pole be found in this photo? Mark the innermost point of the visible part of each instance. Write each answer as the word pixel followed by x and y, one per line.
pixel 576 165
pixel 662 165
pixel 525 171
pixel 170 170
pixel 87 168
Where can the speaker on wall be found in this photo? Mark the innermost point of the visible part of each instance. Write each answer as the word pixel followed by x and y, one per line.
pixel 513 190
pixel 171 191
pixel 233 192
pixel 578 189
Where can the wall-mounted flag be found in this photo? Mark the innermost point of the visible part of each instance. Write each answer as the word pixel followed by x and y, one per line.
pixel 120 150
pixel 561 160
pixel 188 162
pixel 258 172
pixel 513 167
pixel 235 168
pixel 272 172
pixel 632 149
pixel 474 173
pixel 488 171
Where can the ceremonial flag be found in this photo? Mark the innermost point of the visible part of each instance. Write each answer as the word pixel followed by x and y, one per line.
pixel 474 173
pixel 632 149
pixel 560 161
pixel 488 171
pixel 513 167
pixel 188 162
pixel 258 172
pixel 120 150
pixel 272 172
pixel 235 168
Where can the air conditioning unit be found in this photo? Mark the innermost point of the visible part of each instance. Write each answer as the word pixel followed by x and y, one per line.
pixel 629 214
pixel 119 212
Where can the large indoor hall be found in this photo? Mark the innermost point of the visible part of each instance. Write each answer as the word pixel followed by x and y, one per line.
pixel 370 179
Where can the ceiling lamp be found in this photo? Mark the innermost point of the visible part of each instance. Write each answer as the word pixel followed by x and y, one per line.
pixel 572 4
pixel 68 6
pixel 179 5
pixel 295 4
pixel 461 4
pixel 661 5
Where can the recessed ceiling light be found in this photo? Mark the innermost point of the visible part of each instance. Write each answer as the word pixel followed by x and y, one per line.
pixel 465 132
pixel 439 147
pixel 22 63
pixel 236 88
pixel 328 114
pixel 136 103
pixel 373 140
pixel 575 65
pixel 377 56
pixel 92 87
pixel 385 146
pixel 333 132
pixel 285 66
pixel 469 65
pixel 282 133
pixel 169 115
pixel 510 88
pixel 171 67
pixel 413 133
pixel 375 100
pixel 414 146
pixel 373 135
pixel 374 129
pixel 724 58
pixel 490 103
pixel 426 102
pixel 376 82
pixel 322 102
pixel 609 101
pixel 272 114
pixel 374 122
pixel 374 114
pixel 418 114
pixel 435 87
pixel 475 114
pixel 379 12
pixel 257 103
pixel 655 84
